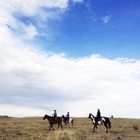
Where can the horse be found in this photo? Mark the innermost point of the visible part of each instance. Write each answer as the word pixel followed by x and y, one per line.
pixel 101 121
pixel 70 121
pixel 57 120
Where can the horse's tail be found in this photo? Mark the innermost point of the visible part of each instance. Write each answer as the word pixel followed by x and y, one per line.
pixel 109 123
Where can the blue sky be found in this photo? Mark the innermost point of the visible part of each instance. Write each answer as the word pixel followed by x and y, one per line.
pixel 70 55
pixel 108 28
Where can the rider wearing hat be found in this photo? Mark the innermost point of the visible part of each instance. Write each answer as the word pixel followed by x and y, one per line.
pixel 67 117
pixel 98 116
pixel 98 113
pixel 54 115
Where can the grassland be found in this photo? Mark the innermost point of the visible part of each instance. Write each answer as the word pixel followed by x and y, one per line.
pixel 34 128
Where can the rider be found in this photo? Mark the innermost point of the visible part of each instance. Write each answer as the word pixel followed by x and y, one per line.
pixel 67 117
pixel 98 116
pixel 54 115
pixel 98 113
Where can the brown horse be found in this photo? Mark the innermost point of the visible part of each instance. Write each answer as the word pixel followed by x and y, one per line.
pixel 56 120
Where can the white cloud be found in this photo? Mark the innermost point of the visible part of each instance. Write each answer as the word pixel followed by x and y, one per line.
pixel 39 11
pixel 30 31
pixel 106 19
pixel 40 82
pixel 34 82
pixel 31 8
pixel 17 111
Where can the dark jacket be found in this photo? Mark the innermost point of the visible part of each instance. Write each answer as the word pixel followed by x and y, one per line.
pixel 55 114
pixel 98 113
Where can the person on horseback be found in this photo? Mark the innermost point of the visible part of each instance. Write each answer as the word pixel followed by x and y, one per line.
pixel 54 115
pixel 98 113
pixel 98 116
pixel 67 117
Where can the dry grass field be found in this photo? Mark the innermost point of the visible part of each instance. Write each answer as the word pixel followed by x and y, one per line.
pixel 35 128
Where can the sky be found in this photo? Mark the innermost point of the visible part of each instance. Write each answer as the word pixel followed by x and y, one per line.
pixel 70 55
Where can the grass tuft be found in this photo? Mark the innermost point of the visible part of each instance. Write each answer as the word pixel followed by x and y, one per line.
pixel 135 127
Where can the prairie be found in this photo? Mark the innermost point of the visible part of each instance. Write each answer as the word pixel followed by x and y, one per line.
pixel 35 128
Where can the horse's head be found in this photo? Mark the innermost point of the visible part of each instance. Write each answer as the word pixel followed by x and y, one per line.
pixel 89 115
pixel 63 116
pixel 45 116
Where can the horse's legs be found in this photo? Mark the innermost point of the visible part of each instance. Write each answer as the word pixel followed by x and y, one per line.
pixel 97 129
pixel 61 126
pixel 51 126
pixel 58 125
pixel 72 122
pixel 94 127
pixel 64 121
pixel 106 127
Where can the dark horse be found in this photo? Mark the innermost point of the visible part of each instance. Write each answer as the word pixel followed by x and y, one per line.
pixel 56 120
pixel 70 121
pixel 100 121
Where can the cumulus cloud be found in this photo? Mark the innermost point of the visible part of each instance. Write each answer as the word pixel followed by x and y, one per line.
pixel 40 81
pixel 34 82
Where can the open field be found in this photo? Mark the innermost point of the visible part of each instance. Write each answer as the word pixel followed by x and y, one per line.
pixel 34 128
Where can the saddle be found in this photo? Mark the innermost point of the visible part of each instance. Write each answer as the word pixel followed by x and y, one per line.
pixel 54 119
pixel 67 120
pixel 98 120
